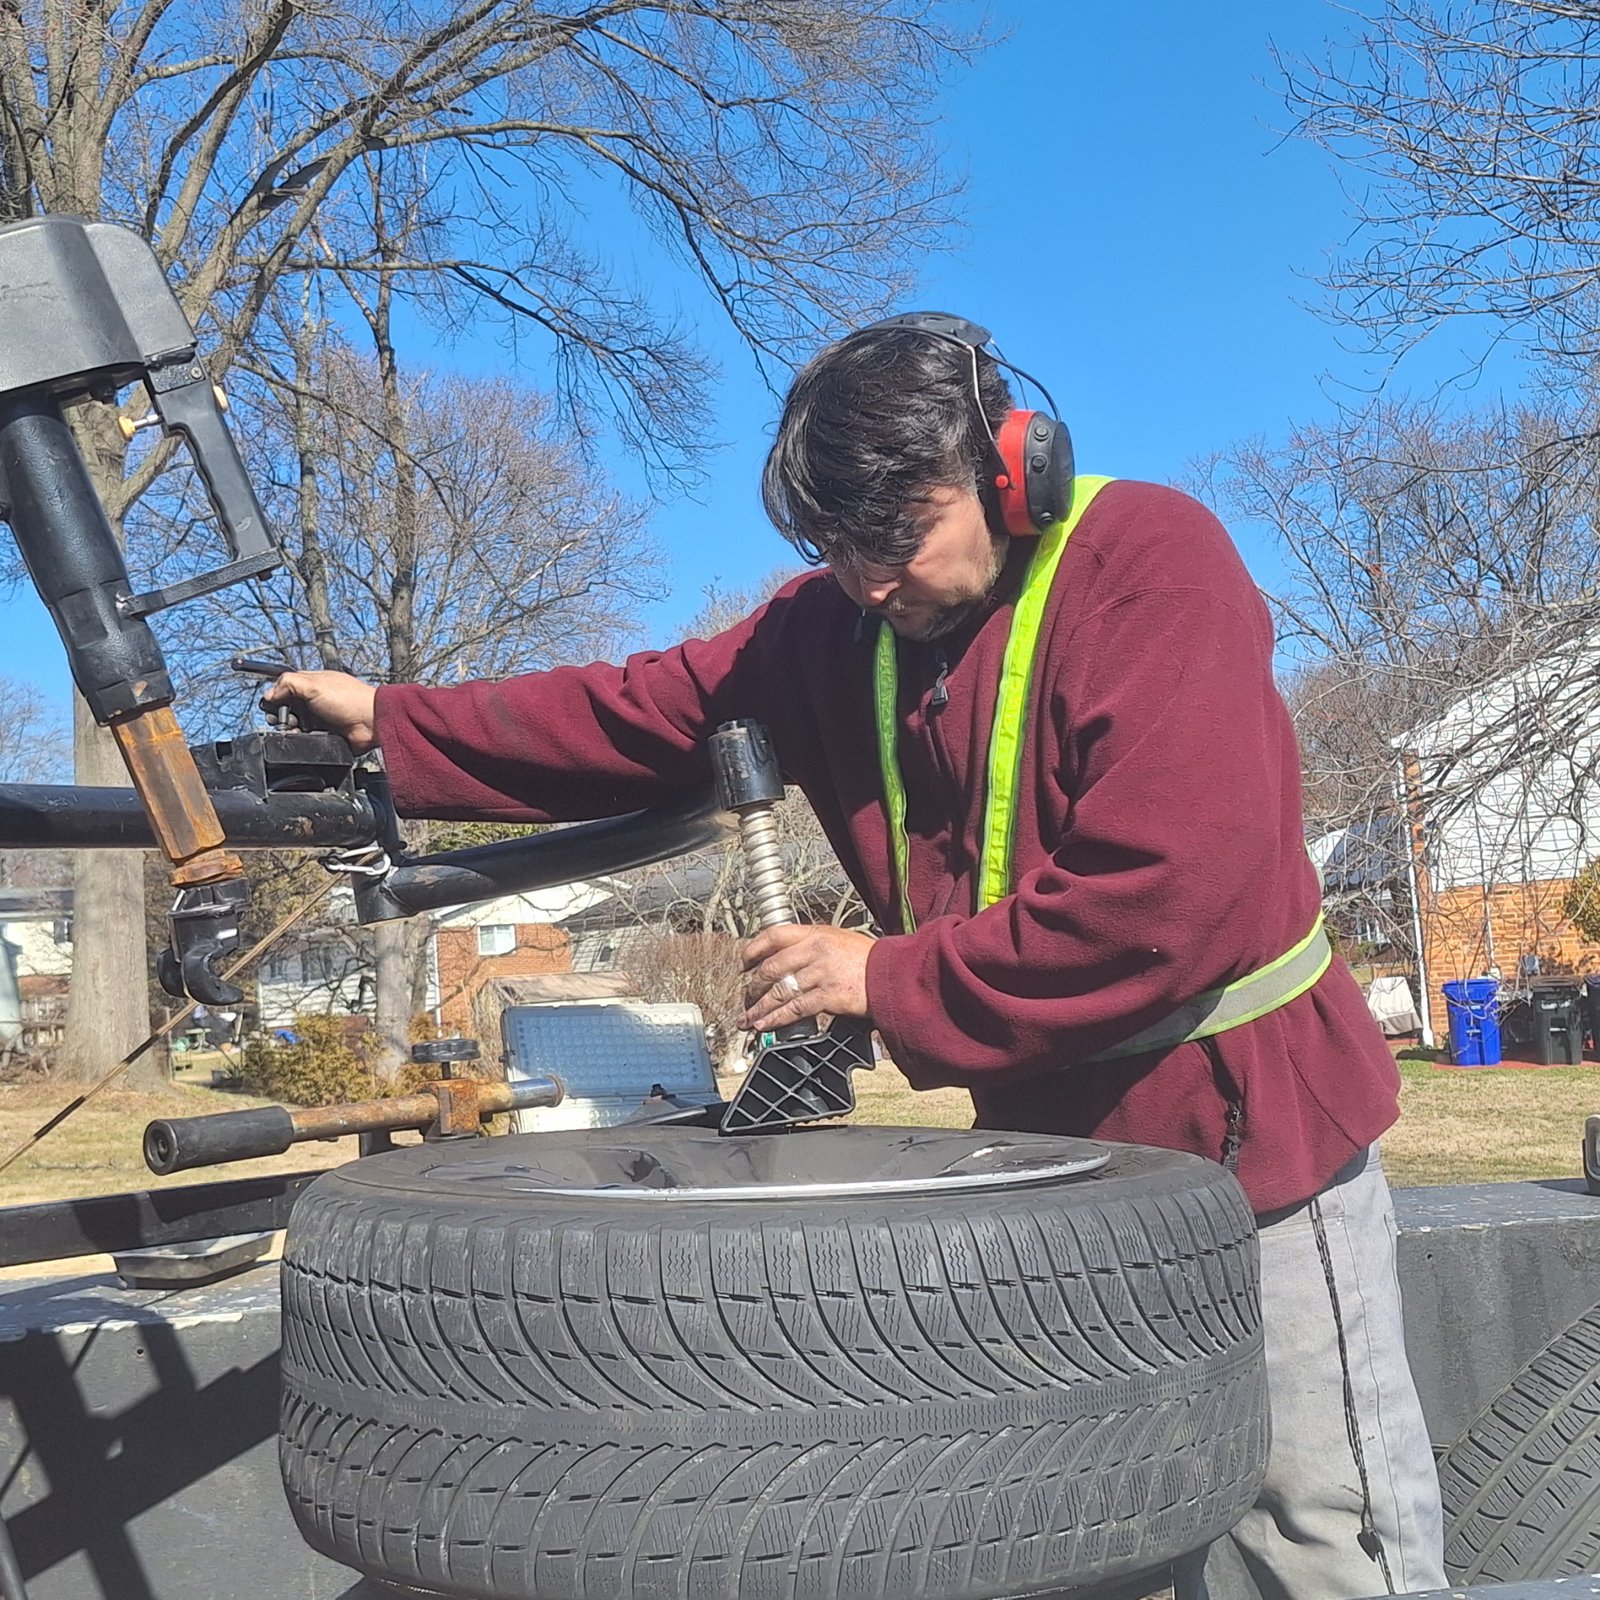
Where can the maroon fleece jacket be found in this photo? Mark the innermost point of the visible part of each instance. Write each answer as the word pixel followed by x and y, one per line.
pixel 1159 848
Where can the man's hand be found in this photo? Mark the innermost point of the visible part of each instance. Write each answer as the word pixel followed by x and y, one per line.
pixel 801 971
pixel 334 701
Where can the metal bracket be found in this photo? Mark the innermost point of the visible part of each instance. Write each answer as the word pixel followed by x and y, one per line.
pixel 153 600
pixel 800 1080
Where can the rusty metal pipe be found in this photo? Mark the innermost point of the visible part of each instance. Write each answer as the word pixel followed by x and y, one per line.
pixel 181 812
pixel 451 1107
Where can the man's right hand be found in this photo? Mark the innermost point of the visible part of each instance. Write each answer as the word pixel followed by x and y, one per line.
pixel 334 701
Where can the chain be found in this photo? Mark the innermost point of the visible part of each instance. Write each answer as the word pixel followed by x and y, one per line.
pixel 361 861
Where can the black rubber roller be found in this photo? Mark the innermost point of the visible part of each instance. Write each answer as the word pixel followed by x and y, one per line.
pixel 178 1143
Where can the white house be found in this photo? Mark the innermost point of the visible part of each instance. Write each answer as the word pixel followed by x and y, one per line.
pixel 1505 784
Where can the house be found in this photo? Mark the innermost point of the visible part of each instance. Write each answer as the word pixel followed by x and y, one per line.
pixel 35 964
pixel 321 970
pixel 516 936
pixel 1503 794
pixel 329 968
pixel 1363 871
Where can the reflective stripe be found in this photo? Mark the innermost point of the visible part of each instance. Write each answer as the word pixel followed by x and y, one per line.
pixel 886 688
pixel 1011 700
pixel 1234 1004
pixel 1010 717
pixel 1217 1010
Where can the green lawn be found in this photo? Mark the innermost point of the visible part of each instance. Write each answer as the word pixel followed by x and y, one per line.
pixel 1457 1125
pixel 1487 1124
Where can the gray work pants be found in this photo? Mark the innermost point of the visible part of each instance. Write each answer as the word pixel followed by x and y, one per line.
pixel 1301 1539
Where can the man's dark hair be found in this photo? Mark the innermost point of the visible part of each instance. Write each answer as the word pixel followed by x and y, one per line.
pixel 871 424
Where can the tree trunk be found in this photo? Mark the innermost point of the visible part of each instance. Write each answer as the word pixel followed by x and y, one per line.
pixel 108 1007
pixel 108 1003
pixel 399 951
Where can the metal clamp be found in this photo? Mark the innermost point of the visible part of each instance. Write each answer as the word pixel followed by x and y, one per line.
pixel 205 931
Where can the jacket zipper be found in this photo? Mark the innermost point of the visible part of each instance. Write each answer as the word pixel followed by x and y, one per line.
pixel 938 699
pixel 1233 1102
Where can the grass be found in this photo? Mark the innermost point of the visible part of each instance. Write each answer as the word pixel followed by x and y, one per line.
pixel 1489 1124
pixel 1477 1125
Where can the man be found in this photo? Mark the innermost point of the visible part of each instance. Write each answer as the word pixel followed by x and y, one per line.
pixel 1071 796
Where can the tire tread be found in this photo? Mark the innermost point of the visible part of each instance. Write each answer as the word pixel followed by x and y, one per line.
pixel 1521 1488
pixel 998 1397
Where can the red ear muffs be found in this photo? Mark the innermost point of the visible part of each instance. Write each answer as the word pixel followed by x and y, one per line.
pixel 1033 479
pixel 1030 486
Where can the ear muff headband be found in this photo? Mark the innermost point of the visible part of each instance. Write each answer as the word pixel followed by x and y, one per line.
pixel 1029 486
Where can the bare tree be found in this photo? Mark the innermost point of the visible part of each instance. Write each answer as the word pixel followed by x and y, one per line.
pixel 1442 579
pixel 779 148
pixel 34 744
pixel 35 747
pixel 436 529
pixel 1472 127
pixel 723 605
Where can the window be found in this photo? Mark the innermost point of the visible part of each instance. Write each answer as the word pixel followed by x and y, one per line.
pixel 277 968
pixel 317 965
pixel 496 939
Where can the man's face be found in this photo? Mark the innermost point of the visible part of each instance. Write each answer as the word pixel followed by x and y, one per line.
pixel 956 565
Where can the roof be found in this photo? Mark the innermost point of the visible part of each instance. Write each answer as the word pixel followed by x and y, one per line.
pixel 1561 684
pixel 643 895
pixel 17 905
pixel 558 904
pixel 553 986
pixel 1361 856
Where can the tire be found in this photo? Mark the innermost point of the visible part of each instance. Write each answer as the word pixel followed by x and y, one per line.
pixel 1521 1488
pixel 657 1364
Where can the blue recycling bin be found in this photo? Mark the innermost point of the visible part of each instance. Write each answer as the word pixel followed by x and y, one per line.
pixel 1474 1011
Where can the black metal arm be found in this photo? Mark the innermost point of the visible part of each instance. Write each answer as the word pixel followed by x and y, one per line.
pixel 72 817
pixel 563 855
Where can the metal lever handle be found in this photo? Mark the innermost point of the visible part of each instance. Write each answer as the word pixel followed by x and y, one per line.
pixel 260 666
pixel 265 667
pixel 186 401
pixel 453 1109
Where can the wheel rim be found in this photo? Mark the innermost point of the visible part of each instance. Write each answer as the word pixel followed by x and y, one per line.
pixel 652 1165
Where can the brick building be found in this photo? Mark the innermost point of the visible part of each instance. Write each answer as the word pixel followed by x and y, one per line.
pixel 329 971
pixel 517 936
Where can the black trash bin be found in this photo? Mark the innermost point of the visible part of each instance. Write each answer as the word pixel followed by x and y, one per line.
pixel 1517 1025
pixel 1557 1014
pixel 1591 1006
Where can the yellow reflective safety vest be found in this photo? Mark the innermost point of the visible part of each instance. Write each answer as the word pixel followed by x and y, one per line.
pixel 1215 1011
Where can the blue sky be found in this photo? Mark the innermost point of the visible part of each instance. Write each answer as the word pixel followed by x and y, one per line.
pixel 1138 234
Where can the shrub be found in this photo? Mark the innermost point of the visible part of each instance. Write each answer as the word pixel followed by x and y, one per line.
pixel 323 1066
pixel 1581 903
pixel 330 1062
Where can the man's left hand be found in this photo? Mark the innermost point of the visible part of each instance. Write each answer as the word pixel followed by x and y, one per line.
pixel 802 971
